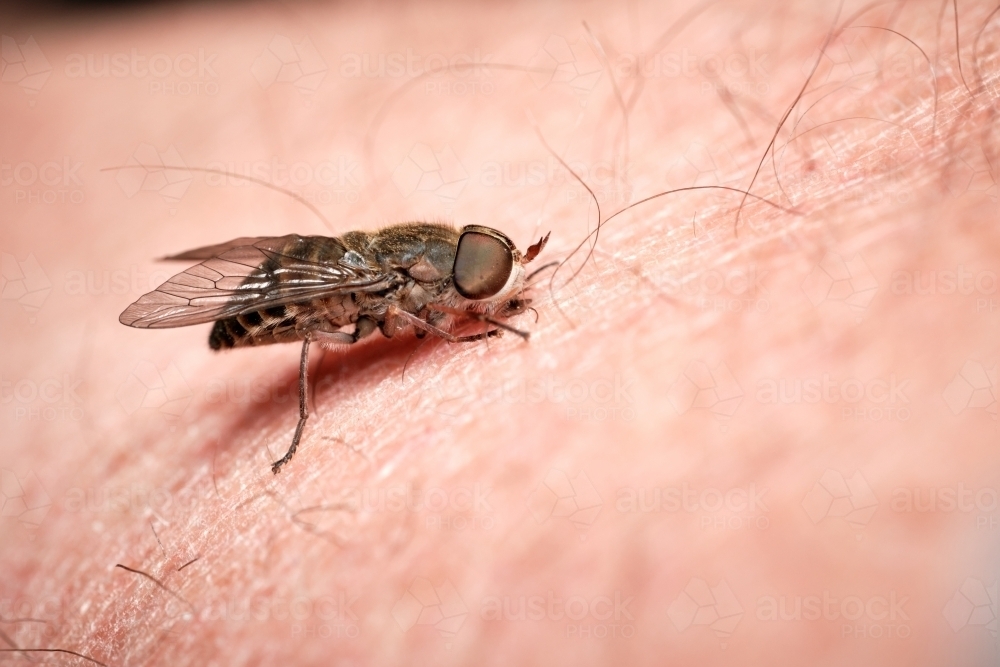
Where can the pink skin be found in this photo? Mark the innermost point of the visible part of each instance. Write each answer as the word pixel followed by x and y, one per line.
pixel 669 366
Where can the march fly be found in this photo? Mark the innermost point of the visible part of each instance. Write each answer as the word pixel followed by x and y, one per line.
pixel 338 290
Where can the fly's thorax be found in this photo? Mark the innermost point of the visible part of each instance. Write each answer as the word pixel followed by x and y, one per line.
pixel 474 268
pixel 414 297
pixel 426 252
pixel 313 249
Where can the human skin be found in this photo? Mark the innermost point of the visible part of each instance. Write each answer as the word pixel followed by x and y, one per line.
pixel 431 469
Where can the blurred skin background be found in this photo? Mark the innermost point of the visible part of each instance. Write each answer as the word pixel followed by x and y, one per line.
pixel 737 435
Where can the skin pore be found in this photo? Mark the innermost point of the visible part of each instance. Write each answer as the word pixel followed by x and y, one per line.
pixel 754 439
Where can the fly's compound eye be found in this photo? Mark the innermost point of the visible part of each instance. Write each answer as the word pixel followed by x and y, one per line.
pixel 483 264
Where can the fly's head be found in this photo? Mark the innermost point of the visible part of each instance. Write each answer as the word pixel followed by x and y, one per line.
pixel 489 270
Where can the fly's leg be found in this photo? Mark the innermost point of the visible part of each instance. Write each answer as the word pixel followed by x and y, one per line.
pixel 421 325
pixel 362 328
pixel 492 333
pixel 303 406
pixel 479 316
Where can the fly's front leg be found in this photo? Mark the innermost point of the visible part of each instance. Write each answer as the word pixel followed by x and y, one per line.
pixel 478 316
pixel 492 333
pixel 421 325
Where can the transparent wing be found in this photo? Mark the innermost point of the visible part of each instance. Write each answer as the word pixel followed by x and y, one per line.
pixel 210 251
pixel 267 272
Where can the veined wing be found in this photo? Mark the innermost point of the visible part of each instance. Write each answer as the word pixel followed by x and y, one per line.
pixel 209 251
pixel 268 272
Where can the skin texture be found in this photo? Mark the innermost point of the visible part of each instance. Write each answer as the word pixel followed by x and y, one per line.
pixel 645 456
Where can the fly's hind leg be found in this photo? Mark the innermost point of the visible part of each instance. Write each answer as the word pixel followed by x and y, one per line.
pixel 362 328
pixel 303 406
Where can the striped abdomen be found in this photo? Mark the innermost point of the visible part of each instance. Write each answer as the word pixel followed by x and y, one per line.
pixel 282 324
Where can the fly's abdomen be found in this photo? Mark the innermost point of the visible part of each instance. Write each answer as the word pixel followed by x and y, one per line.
pixel 260 327
pixel 282 323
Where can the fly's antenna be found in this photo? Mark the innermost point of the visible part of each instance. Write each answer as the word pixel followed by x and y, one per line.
pixel 220 172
